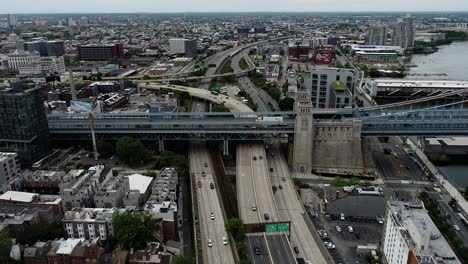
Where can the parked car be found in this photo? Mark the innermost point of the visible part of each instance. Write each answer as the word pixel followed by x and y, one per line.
pixel 329 245
pixel 338 228
pixel 456 227
pixel 350 229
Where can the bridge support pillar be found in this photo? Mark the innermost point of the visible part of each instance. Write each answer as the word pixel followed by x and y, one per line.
pixel 226 147
pixel 303 139
pixel 161 145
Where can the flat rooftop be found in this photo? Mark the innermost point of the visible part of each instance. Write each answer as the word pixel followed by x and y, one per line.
pixel 449 141
pixel 422 83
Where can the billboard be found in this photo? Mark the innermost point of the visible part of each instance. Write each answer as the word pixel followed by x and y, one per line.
pixel 80 106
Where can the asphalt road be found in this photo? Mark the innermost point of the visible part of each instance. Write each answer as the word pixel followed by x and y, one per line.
pixel 258 241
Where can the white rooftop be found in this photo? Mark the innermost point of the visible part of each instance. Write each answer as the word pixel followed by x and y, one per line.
pixel 139 182
pixel 421 83
pixel 18 196
pixel 67 246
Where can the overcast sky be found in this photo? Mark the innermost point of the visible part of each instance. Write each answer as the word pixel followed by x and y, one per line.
pixel 156 6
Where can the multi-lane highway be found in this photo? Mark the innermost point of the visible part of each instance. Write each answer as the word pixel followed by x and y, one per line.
pixel 290 208
pixel 211 217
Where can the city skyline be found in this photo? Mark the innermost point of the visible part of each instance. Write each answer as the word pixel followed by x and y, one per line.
pixel 118 6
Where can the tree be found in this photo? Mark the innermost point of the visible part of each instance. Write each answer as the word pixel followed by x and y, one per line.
pixel 235 227
pixel 131 151
pixel 286 104
pixel 453 203
pixel 105 149
pixel 465 193
pixel 5 244
pixel 220 108
pixel 133 228
pixel 40 232
pixel 179 260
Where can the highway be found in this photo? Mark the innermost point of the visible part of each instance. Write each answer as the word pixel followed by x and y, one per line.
pixel 209 204
pixel 259 96
pixel 290 208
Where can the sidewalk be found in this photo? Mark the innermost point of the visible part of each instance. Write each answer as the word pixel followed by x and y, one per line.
pixel 454 193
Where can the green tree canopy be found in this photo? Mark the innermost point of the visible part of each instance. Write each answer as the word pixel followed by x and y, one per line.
pixel 235 227
pixel 40 232
pixel 105 149
pixel 133 228
pixel 131 151
pixel 286 104
pixel 5 244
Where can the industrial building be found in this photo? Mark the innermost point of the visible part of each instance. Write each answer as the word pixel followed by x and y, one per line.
pixel 24 123
pixel 410 236
pixel 100 52
pixel 411 88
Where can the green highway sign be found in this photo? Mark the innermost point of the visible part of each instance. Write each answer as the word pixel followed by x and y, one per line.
pixel 271 228
pixel 283 227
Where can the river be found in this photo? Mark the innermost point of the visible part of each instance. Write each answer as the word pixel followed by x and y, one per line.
pixel 453 61
pixel 449 59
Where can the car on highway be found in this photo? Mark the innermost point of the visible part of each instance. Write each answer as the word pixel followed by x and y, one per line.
pixel 296 249
pixel 212 216
pixel 271 169
pixel 210 243
pixel 283 178
pixel 260 157
pixel 342 218
pixel 254 158
pixel 329 245
pixel 254 207
pixel 257 251
pixel 206 165
pixel 456 227
pixel 266 216
pixel 211 185
pixel 338 228
pixel 199 184
pixel 280 186
pixel 272 154
pixel 350 229
pixel 225 242
pixel 203 174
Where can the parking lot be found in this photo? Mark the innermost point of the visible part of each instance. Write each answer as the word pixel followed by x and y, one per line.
pixel 364 232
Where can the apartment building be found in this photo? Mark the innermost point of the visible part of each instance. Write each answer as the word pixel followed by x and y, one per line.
pixel 89 223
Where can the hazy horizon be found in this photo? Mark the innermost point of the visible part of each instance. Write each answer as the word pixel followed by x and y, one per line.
pixel 239 6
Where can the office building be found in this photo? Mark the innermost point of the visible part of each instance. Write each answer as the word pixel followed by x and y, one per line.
pixel 320 85
pixel 377 35
pixel 100 52
pixel 12 21
pixel 46 48
pixel 9 169
pixel 404 32
pixel 410 236
pixel 24 123
pixel 52 65
pixel 186 47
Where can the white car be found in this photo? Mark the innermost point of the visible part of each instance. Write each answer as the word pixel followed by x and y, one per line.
pixel 456 227
pixel 254 207
pixel 212 216
pixel 210 243
pixel 350 229
pixel 329 245
pixel 342 217
pixel 225 242
pixel 338 228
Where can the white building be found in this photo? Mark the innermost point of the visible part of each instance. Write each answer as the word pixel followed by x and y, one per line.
pixel 382 87
pixel 50 65
pixel 89 223
pixel 18 58
pixel 410 236
pixel 9 168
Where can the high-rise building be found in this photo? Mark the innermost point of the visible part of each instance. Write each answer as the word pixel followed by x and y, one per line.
pixel 12 21
pixel 410 236
pixel 377 35
pixel 24 128
pixel 102 52
pixel 403 32
pixel 186 47
pixel 327 85
pixel 46 48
